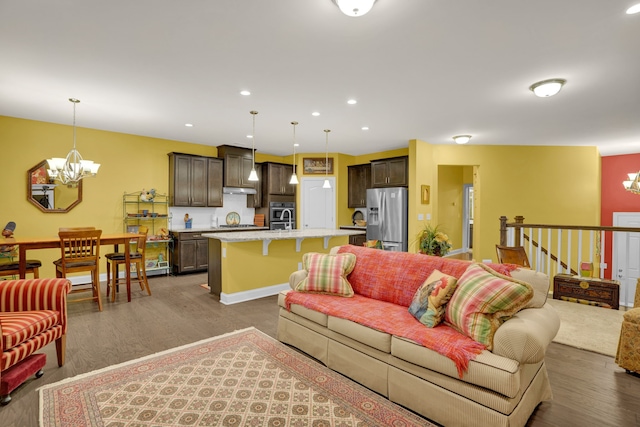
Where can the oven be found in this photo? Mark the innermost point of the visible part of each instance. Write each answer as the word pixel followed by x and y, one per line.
pixel 281 214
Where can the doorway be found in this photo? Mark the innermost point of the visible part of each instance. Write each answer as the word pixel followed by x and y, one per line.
pixel 317 204
pixel 626 256
pixel 467 218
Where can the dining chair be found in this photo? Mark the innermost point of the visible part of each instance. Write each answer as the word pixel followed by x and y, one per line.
pixel 512 255
pixel 80 251
pixel 136 257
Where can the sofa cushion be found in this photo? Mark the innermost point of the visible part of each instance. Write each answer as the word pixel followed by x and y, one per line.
pixel 21 326
pixel 395 276
pixel 483 300
pixel 429 301
pixel 327 274
pixel 538 281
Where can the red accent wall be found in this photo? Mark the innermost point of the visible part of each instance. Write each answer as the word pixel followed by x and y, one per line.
pixel 614 197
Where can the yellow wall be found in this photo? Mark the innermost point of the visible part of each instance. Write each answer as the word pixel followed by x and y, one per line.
pixel 546 184
pixel 559 185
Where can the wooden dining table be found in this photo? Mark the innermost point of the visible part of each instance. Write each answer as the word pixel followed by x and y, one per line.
pixel 32 243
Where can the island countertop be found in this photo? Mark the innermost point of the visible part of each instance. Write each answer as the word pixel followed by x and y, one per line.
pixel 309 233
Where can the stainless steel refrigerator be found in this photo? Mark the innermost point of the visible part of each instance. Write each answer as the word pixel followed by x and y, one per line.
pixel 387 217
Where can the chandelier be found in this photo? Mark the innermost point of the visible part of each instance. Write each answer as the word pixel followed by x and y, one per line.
pixel 294 177
pixel 72 169
pixel 633 184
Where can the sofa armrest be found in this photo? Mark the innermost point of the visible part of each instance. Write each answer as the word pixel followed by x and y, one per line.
pixel 526 336
pixel 297 277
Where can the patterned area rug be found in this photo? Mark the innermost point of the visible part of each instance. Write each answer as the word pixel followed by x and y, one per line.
pixel 244 378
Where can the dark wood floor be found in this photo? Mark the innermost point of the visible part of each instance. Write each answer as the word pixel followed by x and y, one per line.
pixel 589 388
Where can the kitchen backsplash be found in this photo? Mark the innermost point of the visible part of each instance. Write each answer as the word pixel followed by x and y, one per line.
pixel 205 217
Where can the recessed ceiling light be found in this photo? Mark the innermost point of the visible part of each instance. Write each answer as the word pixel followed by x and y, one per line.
pixel 352 102
pixel 249 136
pixel 189 125
pixel 245 92
pixel 365 127
pixel 461 139
pixel 315 114
pixel 633 9
pixel 547 88
pixel 296 145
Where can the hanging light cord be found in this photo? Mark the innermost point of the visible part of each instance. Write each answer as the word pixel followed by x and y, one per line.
pixel 326 154
pixel 253 140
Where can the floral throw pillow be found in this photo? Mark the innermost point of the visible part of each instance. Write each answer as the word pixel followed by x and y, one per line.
pixel 429 301
pixel 483 300
pixel 327 274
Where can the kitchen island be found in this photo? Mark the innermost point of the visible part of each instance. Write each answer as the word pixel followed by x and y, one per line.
pixel 253 264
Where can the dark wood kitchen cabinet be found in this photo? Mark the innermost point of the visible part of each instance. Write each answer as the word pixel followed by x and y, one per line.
pixel 215 168
pixel 276 178
pixel 195 181
pixel 359 181
pixel 190 252
pixel 187 180
pixel 238 162
pixel 255 200
pixel 391 172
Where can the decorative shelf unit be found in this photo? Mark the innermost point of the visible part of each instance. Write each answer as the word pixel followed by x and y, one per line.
pixel 154 215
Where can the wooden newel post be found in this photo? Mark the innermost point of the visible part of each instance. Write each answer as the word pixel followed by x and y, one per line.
pixel 519 219
pixel 503 231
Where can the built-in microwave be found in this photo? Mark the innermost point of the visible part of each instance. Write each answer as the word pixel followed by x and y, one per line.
pixel 281 214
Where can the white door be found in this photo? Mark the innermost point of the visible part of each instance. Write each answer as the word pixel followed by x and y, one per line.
pixel 626 256
pixel 318 205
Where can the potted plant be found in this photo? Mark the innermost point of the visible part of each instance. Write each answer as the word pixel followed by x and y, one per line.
pixel 432 241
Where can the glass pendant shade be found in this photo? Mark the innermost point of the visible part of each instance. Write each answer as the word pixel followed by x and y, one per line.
pixel 253 175
pixel 73 168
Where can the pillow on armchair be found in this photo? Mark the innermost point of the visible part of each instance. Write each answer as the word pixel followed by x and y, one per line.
pixel 327 274
pixel 483 300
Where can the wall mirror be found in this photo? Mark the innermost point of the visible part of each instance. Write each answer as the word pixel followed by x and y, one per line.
pixel 48 195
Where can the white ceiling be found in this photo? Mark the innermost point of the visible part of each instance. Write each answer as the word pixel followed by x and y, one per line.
pixel 425 69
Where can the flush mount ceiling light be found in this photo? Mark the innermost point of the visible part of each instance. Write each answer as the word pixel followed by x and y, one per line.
pixel 354 8
pixel 461 139
pixel 633 9
pixel 253 176
pixel 633 184
pixel 547 88
pixel 326 183
pixel 72 169
pixel 294 177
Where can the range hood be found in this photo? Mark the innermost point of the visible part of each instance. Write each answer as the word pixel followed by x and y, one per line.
pixel 238 190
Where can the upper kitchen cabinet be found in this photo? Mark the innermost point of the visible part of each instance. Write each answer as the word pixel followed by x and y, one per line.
pixel 215 169
pixel 359 181
pixel 255 200
pixel 195 180
pixel 238 162
pixel 276 178
pixel 391 172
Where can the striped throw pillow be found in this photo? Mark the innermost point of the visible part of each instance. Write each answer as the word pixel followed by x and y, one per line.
pixel 327 274
pixel 483 300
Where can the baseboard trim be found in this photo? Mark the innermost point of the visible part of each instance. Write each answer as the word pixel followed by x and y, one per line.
pixel 243 296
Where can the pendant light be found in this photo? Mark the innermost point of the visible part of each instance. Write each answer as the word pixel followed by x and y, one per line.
pixel 326 183
pixel 354 8
pixel 294 177
pixel 74 168
pixel 253 176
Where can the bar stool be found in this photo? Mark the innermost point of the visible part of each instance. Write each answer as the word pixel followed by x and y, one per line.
pixel 13 268
pixel 136 257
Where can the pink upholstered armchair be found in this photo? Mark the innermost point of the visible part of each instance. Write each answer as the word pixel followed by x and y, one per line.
pixel 33 313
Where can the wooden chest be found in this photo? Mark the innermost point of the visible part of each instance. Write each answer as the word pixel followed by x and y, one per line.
pixel 604 293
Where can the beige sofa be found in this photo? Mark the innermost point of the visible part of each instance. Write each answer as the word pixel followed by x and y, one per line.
pixel 501 387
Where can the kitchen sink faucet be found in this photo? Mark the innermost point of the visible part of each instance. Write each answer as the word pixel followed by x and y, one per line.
pixel 287 227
